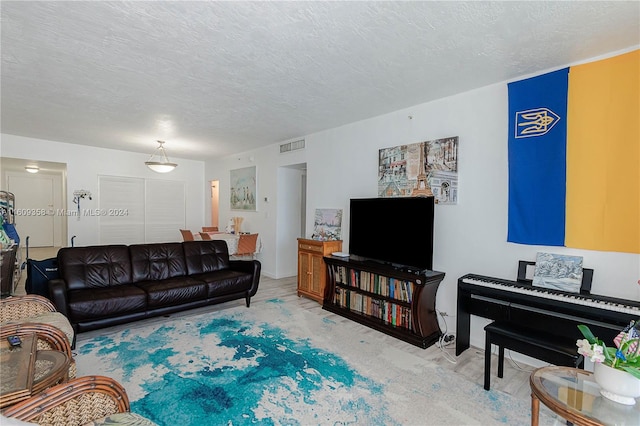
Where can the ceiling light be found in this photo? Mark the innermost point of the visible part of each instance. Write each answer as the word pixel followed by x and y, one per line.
pixel 32 169
pixel 162 166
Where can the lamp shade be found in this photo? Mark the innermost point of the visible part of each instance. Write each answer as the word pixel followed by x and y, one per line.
pixel 162 163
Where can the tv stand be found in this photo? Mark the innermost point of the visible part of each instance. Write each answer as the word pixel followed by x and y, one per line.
pixel 398 301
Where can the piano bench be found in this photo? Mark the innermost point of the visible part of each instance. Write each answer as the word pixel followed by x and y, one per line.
pixel 557 350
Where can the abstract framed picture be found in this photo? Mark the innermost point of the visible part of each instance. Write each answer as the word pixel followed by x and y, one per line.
pixel 243 189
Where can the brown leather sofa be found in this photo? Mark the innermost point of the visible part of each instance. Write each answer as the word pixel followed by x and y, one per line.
pixel 101 286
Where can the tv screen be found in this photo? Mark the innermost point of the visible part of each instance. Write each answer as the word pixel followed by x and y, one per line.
pixel 393 230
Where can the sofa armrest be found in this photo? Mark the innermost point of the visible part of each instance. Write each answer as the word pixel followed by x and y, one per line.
pixel 249 266
pixel 58 293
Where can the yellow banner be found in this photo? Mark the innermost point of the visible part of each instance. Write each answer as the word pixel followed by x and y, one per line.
pixel 603 155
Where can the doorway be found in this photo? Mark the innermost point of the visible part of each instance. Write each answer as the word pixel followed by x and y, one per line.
pixel 34 207
pixel 215 202
pixel 40 200
pixel 291 217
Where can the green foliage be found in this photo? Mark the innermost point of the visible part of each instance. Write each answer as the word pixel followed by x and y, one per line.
pixel 625 358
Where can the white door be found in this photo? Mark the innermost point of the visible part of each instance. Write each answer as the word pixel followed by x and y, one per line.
pixel 215 202
pixel 34 208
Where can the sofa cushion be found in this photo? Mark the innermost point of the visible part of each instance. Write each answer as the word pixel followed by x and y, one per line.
pixel 206 256
pixel 106 302
pixel 226 281
pixel 173 291
pixel 157 261
pixel 94 266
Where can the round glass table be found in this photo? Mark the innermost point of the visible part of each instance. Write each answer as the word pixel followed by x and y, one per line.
pixel 573 394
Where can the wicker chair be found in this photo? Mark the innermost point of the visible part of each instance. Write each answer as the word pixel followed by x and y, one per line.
pixel 85 400
pixel 32 308
pixel 50 338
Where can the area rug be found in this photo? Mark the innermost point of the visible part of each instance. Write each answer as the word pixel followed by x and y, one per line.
pixel 276 363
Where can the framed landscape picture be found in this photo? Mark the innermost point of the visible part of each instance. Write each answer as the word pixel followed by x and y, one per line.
pixel 327 224
pixel 243 189
pixel 558 271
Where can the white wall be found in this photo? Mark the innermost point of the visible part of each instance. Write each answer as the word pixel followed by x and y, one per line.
pixel 85 164
pixel 470 237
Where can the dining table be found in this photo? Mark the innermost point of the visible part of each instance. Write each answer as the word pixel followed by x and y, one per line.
pixel 232 241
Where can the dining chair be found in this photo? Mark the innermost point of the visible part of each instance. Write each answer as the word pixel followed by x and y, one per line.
pixel 209 229
pixel 187 235
pixel 247 245
pixel 205 236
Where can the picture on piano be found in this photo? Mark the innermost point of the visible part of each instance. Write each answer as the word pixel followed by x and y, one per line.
pixel 558 272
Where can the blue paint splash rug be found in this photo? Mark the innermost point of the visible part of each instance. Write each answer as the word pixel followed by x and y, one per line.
pixel 276 363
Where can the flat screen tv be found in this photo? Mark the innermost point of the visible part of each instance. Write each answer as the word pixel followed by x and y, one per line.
pixel 398 231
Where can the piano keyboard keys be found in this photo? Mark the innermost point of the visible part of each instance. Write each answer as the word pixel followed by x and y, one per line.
pixel 595 301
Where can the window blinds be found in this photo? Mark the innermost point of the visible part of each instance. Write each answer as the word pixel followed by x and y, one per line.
pixel 135 210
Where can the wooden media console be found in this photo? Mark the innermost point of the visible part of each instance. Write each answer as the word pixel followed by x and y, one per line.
pixel 397 301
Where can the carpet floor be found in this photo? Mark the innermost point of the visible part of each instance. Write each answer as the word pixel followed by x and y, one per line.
pixel 275 363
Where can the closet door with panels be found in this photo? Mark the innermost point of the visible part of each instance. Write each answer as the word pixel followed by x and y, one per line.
pixel 122 201
pixel 165 210
pixel 135 210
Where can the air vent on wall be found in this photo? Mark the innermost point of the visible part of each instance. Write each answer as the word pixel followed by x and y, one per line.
pixel 291 146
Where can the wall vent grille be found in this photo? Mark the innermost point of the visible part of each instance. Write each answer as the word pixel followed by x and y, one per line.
pixel 292 146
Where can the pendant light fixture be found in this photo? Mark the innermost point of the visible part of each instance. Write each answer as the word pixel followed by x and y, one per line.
pixel 162 165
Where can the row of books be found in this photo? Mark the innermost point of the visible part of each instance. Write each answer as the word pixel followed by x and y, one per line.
pixel 389 312
pixel 375 283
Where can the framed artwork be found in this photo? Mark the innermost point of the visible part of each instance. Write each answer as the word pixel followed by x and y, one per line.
pixel 423 169
pixel 327 224
pixel 558 271
pixel 243 189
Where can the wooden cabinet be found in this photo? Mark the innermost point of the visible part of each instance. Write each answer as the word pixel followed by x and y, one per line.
pixel 312 272
pixel 396 301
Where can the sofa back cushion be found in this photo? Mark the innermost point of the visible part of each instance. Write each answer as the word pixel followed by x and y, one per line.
pixel 157 261
pixel 94 266
pixel 206 256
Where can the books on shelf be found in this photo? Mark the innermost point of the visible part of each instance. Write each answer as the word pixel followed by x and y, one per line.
pixel 374 283
pixel 395 301
pixel 383 307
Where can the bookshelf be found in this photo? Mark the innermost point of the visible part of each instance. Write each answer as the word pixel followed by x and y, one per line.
pixel 398 302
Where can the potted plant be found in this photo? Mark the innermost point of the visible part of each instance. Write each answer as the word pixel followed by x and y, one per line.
pixel 616 369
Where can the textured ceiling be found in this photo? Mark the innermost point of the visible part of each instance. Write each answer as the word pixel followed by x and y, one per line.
pixel 217 78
